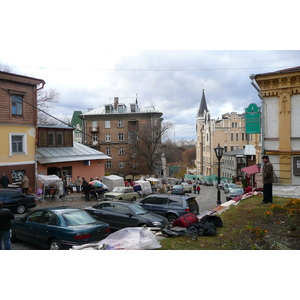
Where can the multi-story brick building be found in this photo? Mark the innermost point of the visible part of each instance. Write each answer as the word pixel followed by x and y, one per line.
pixel 115 128
pixel 18 123
pixel 229 132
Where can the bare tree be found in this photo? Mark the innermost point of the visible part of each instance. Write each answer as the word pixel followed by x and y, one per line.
pixel 5 68
pixel 149 144
pixel 45 101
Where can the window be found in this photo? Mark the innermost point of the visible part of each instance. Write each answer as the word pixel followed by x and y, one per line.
pixel 51 139
pixel 18 143
pixel 107 138
pixel 231 136
pixel 60 139
pixel 243 136
pixel 120 123
pixel 95 137
pixel 121 137
pixel 122 209
pixel 120 108
pixel 17 105
pixel 237 136
pixel 108 164
pixel 132 107
pixel 231 148
pixel 107 124
pixel 108 151
pixel 121 165
pixel 121 150
pixel 108 109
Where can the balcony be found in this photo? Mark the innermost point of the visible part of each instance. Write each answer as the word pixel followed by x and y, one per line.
pixel 94 129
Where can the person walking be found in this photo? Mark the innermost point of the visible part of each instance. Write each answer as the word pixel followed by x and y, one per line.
pixel 78 184
pixel 267 180
pixel 4 181
pixel 194 188
pixel 198 189
pixel 25 184
pixel 5 225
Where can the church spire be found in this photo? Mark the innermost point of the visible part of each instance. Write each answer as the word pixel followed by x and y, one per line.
pixel 203 106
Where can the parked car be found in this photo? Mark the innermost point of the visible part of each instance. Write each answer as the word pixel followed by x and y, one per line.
pixel 187 187
pixel 208 183
pixel 121 193
pixel 228 186
pixel 234 192
pixel 121 214
pixel 17 201
pixel 177 189
pixel 58 228
pixel 170 206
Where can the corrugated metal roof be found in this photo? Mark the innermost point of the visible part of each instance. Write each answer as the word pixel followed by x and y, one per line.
pixel 63 154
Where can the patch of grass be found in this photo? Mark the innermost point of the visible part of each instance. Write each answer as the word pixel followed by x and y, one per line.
pixel 249 225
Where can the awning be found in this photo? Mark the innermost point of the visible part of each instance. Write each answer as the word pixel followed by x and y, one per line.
pixel 251 169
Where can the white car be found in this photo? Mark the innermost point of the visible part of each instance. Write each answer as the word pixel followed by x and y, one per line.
pixel 187 187
pixel 121 193
pixel 228 186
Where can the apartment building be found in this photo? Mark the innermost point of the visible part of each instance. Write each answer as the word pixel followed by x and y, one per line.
pixel 18 123
pixel 115 128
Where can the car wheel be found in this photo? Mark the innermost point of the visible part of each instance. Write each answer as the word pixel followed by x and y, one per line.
pixel 133 199
pixel 55 245
pixel 120 198
pixel 171 218
pixel 20 209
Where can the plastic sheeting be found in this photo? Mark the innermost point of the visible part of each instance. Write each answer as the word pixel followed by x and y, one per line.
pixel 132 238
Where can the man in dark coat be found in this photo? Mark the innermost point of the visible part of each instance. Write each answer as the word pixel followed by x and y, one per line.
pixel 267 180
pixel 4 180
pixel 5 225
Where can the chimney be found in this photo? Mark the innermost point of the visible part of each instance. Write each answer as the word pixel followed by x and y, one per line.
pixel 116 102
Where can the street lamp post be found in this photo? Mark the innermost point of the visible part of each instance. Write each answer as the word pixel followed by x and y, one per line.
pixel 219 152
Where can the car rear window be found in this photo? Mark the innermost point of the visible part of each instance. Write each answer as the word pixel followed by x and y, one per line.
pixel 78 218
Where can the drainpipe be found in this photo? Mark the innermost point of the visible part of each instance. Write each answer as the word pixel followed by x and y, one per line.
pixel 252 77
pixel 36 141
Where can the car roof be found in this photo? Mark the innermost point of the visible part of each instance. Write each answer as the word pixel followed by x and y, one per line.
pixel 172 195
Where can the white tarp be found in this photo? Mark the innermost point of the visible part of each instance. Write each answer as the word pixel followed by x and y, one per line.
pixel 145 186
pixel 112 181
pixel 49 180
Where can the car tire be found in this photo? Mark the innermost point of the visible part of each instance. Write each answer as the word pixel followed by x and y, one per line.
pixel 55 245
pixel 20 209
pixel 133 199
pixel 171 218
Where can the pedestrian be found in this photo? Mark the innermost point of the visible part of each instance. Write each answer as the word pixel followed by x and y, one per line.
pixel 198 189
pixel 5 225
pixel 4 180
pixel 25 184
pixel 86 190
pixel 267 180
pixel 194 188
pixel 78 184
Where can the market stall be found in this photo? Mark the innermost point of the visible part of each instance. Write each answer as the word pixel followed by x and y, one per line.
pixel 52 184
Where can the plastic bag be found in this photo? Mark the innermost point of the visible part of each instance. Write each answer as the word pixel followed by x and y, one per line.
pixel 132 238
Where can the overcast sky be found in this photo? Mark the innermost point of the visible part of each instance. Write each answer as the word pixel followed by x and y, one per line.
pixel 84 50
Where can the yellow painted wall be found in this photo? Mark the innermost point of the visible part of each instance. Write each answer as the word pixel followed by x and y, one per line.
pixel 4 148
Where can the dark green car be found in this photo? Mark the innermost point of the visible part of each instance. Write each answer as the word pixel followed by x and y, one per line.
pixel 58 228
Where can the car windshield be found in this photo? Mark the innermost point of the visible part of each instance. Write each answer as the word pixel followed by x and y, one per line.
pixel 139 210
pixel 75 218
pixel 118 190
pixel 236 190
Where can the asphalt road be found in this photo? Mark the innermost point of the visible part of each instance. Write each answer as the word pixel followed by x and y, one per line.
pixel 207 199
